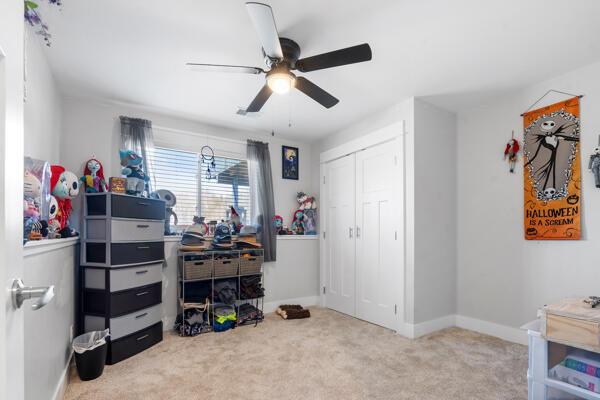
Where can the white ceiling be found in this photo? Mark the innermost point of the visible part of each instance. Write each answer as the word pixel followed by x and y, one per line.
pixel 459 51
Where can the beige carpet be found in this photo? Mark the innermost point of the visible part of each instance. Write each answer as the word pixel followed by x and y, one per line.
pixel 329 356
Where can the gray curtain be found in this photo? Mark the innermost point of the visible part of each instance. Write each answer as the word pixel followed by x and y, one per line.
pixel 261 195
pixel 136 135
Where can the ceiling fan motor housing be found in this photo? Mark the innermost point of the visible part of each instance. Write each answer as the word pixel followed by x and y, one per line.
pixel 291 54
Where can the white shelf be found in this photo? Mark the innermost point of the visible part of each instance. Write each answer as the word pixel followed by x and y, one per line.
pixel 297 237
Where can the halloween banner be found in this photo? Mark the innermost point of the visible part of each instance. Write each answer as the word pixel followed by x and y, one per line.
pixel 552 172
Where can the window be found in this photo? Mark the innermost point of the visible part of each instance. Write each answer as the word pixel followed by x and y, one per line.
pixel 197 191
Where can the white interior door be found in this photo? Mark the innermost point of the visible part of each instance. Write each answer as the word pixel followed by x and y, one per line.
pixel 340 260
pixel 379 259
pixel 11 198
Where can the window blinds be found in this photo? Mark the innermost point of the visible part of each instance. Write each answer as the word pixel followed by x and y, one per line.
pixel 200 191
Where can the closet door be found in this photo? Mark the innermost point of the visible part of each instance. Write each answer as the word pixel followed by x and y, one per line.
pixel 379 259
pixel 340 272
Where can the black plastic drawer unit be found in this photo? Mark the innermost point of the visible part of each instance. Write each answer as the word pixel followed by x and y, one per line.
pixel 122 256
pixel 120 349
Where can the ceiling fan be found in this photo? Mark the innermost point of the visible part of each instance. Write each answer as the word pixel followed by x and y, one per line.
pixel 282 56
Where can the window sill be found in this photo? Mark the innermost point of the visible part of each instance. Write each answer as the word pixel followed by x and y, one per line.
pixel 297 237
pixel 43 246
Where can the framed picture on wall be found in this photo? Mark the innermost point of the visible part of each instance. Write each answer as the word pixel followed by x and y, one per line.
pixel 289 162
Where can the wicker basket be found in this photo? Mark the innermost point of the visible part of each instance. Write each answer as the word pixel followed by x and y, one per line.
pixel 226 267
pixel 251 265
pixel 198 269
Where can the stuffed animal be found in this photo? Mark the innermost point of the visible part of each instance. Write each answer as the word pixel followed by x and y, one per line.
pixel 65 187
pixel 235 220
pixel 32 191
pixel 93 177
pixel 298 226
pixel 53 223
pixel 306 202
pixel 511 151
pixel 132 169
pixel 594 165
pixel 170 201
pixel 278 224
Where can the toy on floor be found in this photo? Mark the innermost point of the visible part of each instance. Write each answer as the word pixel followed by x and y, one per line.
pixel 93 177
pixel 511 151
pixel 65 187
pixel 132 165
pixel 292 311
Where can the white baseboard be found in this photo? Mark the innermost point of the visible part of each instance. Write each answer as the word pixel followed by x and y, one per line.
pixel 271 306
pixel 61 387
pixel 427 327
pixel 507 333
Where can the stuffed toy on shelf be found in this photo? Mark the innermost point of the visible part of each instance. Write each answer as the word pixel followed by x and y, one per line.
pixel 298 226
pixel 305 201
pixel 132 165
pixel 65 187
pixel 93 177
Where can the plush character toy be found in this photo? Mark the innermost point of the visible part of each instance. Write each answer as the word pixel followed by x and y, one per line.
pixel 306 202
pixel 298 223
pixel 132 170
pixel 93 177
pixel 53 224
pixel 594 165
pixel 235 220
pixel 278 224
pixel 65 187
pixel 32 191
pixel 511 151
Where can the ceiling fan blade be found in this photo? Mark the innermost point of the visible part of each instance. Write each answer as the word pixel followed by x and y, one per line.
pixel 349 55
pixel 264 23
pixel 260 99
pixel 224 68
pixel 315 92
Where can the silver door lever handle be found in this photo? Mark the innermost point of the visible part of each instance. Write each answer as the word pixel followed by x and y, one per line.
pixel 20 293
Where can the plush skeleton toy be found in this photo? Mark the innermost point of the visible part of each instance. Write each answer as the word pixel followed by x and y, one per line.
pixel 511 151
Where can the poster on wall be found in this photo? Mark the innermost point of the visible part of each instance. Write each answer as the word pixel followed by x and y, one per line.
pixel 552 172
pixel 290 162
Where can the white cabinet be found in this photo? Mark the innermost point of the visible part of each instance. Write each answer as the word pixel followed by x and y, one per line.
pixel 545 355
pixel 363 260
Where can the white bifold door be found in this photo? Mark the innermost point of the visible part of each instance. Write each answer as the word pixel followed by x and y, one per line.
pixel 363 254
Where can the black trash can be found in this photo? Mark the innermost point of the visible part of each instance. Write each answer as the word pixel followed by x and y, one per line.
pixel 90 354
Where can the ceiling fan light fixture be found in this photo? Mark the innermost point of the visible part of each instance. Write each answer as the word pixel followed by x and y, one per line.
pixel 281 82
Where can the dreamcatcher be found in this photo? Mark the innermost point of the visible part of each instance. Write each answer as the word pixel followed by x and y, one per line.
pixel 208 157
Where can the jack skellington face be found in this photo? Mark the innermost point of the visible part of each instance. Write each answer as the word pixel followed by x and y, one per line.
pixel 550 147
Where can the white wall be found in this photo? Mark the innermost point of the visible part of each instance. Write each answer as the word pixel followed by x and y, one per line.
pixel 43 105
pixel 503 278
pixel 435 212
pixel 91 128
pixel 47 331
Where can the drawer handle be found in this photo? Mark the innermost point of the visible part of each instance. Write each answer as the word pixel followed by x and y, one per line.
pixel 141 315
pixel 143 247
pixel 142 337
pixel 143 226
pixel 141 272
pixel 141 203
pixel 142 293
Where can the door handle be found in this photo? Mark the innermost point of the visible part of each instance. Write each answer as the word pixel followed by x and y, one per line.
pixel 350 232
pixel 358 231
pixel 20 293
